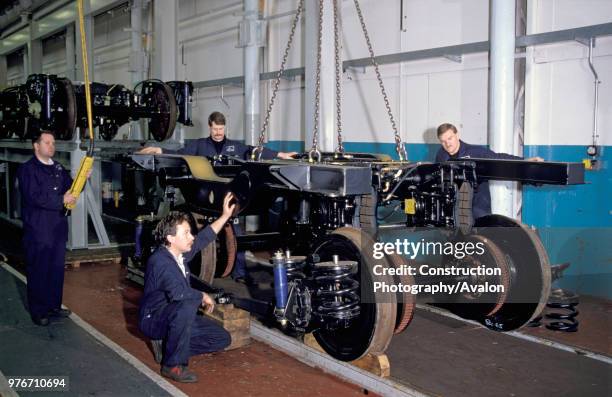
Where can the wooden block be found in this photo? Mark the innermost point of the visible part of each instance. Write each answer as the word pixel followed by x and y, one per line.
pixel 228 312
pixel 238 342
pixel 377 364
pixel 236 325
pixel 309 340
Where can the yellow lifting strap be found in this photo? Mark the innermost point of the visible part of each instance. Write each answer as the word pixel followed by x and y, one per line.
pixel 87 162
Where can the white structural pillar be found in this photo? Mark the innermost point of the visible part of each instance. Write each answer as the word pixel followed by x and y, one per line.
pixel 34 45
pixel 137 56
pixel 328 79
pixel 166 55
pixel 251 39
pixel 166 40
pixel 501 96
pixel 70 53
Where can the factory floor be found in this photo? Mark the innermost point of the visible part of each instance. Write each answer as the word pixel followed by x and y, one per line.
pixel 436 355
pixel 100 295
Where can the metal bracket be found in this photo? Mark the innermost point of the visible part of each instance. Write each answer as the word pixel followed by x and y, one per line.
pixel 252 33
pixel 94 213
pixel 355 69
pixel 454 57
pixel 585 41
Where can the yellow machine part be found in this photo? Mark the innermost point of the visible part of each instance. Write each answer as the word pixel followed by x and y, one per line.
pixel 79 182
pixel 410 206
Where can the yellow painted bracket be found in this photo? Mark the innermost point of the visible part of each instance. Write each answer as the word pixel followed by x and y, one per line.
pixel 79 182
pixel 410 206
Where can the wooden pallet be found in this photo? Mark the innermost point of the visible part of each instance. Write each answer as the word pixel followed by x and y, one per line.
pixel 377 364
pixel 77 257
pixel 235 321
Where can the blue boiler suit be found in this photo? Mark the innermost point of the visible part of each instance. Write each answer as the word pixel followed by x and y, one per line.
pixel 45 232
pixel 168 308
pixel 481 204
pixel 206 147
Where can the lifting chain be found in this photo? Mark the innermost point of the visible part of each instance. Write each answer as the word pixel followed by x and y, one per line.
pixel 314 151
pixel 256 154
pixel 399 147
pixel 340 148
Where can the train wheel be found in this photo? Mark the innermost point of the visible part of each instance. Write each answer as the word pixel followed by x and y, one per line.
pixel 530 276
pixel 372 330
pixel 406 302
pixel 163 120
pixel 217 258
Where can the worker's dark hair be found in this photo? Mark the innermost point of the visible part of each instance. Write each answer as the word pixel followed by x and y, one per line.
pixel 442 128
pixel 217 118
pixel 36 136
pixel 167 226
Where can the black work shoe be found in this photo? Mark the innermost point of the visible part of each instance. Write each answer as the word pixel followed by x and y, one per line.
pixel 179 374
pixel 156 345
pixel 60 313
pixel 42 321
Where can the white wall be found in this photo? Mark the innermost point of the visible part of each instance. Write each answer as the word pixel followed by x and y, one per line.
pixel 560 100
pixel 422 94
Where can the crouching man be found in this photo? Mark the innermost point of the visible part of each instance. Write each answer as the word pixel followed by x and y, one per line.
pixel 168 309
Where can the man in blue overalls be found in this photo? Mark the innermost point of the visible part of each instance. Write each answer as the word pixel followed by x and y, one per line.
pixel 168 308
pixel 44 184
pixel 214 145
pixel 454 148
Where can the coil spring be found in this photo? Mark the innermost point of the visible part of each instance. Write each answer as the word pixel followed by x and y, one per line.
pixel 559 299
pixel 295 269
pixel 566 319
pixel 336 290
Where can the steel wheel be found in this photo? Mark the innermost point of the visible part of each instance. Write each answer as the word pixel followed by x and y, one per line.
pixel 371 332
pixel 530 276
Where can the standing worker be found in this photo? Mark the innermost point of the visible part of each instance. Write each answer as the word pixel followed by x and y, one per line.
pixel 44 186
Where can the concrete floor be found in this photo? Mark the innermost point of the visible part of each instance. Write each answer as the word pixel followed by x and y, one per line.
pixel 100 295
pixel 436 354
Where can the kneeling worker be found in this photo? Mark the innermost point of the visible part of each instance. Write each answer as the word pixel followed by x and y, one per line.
pixel 168 309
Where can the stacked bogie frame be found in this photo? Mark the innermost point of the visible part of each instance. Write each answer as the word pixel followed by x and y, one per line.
pixel 49 102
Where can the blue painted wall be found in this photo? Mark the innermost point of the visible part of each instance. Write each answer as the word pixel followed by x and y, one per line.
pixel 574 222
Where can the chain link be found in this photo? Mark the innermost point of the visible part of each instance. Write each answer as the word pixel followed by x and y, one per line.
pixel 399 147
pixel 256 154
pixel 340 148
pixel 315 133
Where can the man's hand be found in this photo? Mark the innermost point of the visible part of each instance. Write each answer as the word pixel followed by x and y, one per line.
pixel 69 199
pixel 229 204
pixel 286 155
pixel 150 150
pixel 535 159
pixel 208 303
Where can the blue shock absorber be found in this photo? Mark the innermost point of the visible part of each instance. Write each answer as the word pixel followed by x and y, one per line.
pixel 280 281
pixel 137 236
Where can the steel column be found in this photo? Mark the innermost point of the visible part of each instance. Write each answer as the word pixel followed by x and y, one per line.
pixel 70 53
pixel 501 96
pixel 251 32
